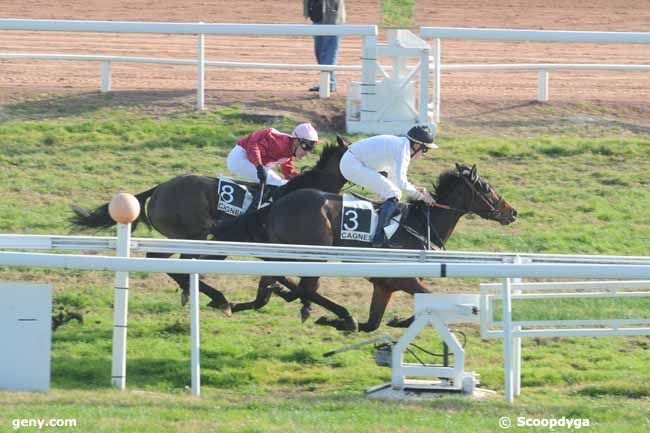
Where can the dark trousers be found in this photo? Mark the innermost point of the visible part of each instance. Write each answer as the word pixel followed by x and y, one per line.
pixel 327 50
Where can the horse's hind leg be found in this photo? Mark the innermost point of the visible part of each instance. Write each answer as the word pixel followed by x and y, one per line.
pixel 264 292
pixel 219 301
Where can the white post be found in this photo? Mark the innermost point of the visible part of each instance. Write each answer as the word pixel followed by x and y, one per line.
pixel 194 331
pixel 368 79
pixel 106 77
pixel 324 85
pixel 423 116
pixel 507 341
pixel 200 86
pixel 516 353
pixel 436 79
pixel 120 310
pixel 542 86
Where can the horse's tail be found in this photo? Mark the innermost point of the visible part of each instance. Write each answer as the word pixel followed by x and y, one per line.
pixel 99 218
pixel 250 227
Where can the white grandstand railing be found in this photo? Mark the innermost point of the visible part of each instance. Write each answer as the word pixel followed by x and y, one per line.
pixel 298 252
pixel 200 29
pixel 513 330
pixel 438 33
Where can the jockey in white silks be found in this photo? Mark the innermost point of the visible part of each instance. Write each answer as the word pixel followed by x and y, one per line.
pixel 365 159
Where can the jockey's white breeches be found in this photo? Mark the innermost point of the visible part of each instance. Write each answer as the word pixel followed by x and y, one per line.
pixel 239 165
pixel 356 172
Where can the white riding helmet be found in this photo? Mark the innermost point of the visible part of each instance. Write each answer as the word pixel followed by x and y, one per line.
pixel 305 131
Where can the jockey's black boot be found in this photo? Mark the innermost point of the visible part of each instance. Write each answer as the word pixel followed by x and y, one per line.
pixel 386 212
pixel 268 191
pixel 255 200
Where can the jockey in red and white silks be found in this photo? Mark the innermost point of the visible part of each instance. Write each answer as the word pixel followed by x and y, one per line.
pixel 365 158
pixel 255 154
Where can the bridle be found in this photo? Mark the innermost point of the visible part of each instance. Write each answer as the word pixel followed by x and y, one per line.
pixel 494 209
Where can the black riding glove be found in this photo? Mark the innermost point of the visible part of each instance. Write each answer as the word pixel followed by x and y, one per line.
pixel 262 175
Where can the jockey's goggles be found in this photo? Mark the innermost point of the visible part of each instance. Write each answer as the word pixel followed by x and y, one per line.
pixel 307 145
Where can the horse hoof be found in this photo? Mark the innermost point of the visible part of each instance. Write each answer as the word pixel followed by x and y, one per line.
pixel 185 297
pixel 305 312
pixel 394 322
pixel 323 320
pixel 225 308
pixel 349 324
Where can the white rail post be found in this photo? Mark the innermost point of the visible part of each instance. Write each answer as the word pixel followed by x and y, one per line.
pixel 106 77
pixel 436 79
pixel 200 85
pixel 195 335
pixel 507 341
pixel 324 84
pixel 368 79
pixel 516 353
pixel 542 86
pixel 423 115
pixel 120 310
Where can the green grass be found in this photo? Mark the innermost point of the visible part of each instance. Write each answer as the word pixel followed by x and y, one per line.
pixel 263 371
pixel 397 13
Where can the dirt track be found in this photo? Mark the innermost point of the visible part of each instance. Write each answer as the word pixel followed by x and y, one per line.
pixel 461 90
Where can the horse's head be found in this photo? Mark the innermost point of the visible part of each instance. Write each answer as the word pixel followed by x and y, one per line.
pixel 464 190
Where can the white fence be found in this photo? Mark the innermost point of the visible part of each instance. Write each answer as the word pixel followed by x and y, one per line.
pixel 200 29
pixel 438 33
pixel 387 264
pixel 512 331
pixel 368 55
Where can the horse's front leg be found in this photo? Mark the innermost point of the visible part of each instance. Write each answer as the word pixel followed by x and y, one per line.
pixel 291 295
pixel 381 295
pixel 308 290
pixel 410 286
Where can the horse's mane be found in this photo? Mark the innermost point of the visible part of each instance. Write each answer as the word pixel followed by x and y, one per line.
pixel 446 181
pixel 308 176
pixel 328 151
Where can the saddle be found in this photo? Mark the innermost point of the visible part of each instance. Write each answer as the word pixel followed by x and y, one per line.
pixel 235 198
pixel 354 206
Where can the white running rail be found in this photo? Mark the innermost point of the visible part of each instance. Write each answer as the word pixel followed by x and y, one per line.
pixel 438 33
pixel 199 29
pixel 511 331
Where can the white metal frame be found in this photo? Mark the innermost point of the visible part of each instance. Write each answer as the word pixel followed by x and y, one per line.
pixel 367 32
pixel 512 331
pixel 438 33
pixel 438 311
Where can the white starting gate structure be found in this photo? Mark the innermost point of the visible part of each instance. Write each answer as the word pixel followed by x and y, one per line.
pixel 397 101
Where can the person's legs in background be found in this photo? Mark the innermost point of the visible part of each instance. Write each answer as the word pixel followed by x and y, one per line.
pixel 318 48
pixel 329 54
pixel 326 49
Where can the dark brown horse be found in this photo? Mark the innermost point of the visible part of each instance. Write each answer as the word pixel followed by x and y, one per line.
pixel 185 207
pixel 311 217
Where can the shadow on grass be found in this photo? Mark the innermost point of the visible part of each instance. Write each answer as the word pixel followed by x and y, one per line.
pixel 88 102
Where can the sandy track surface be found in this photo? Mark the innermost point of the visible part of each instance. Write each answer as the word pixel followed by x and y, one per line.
pixel 462 91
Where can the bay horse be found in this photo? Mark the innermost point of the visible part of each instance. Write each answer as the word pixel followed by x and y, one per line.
pixel 311 217
pixel 185 207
